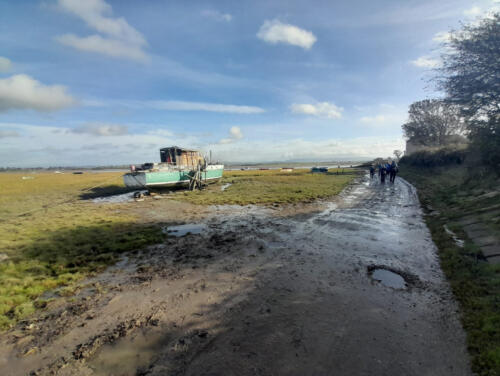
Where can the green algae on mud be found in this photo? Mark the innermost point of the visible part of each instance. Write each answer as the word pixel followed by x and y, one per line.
pixel 51 236
pixel 476 284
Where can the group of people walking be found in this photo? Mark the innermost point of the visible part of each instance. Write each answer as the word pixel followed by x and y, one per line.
pixel 390 169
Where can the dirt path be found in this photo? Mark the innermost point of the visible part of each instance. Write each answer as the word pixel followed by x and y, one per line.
pixel 264 292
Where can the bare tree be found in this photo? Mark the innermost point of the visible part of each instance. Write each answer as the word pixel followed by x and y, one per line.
pixel 398 154
pixel 432 121
pixel 471 78
pixel 471 69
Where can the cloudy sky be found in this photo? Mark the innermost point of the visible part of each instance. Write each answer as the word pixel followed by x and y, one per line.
pixel 110 82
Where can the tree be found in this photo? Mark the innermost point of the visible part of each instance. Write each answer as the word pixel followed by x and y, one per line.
pixel 398 154
pixel 431 122
pixel 471 78
pixel 470 74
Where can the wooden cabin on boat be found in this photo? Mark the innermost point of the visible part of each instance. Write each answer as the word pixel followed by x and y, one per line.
pixel 177 156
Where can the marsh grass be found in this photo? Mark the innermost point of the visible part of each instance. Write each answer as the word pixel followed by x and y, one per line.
pixel 475 284
pixel 272 186
pixel 51 238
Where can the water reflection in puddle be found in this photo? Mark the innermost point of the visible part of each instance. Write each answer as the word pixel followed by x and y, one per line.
pixel 128 355
pixel 181 230
pixel 388 278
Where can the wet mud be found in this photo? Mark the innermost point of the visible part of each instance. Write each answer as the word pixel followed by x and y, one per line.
pixel 350 286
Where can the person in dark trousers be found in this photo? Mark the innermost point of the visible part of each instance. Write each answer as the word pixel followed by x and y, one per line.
pixel 372 172
pixel 394 171
pixel 383 172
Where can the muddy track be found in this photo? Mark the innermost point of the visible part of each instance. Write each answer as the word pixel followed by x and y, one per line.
pixel 263 291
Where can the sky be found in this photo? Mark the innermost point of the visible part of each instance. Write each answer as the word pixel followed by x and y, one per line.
pixel 103 82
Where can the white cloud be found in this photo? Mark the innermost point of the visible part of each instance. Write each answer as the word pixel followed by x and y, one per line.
pixel 122 39
pixel 426 62
pixel 56 146
pixel 216 15
pixel 442 37
pixel 7 133
pixel 384 120
pixel 100 129
pixel 94 12
pixel 277 32
pixel 161 132
pixel 235 134
pixel 359 148
pixel 473 12
pixel 23 92
pixel 322 109
pixel 105 46
pixel 377 119
pixel 49 145
pixel 202 106
pixel 5 64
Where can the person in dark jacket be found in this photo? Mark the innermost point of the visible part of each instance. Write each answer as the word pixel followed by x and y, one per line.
pixel 372 172
pixel 383 173
pixel 394 171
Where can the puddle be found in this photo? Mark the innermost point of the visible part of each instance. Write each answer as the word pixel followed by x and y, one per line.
pixel 181 230
pixel 115 199
pixel 127 356
pixel 225 186
pixel 389 278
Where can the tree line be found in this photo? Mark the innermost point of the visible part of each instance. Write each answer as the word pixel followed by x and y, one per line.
pixel 470 110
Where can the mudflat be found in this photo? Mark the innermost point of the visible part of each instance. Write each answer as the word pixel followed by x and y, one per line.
pixel 346 286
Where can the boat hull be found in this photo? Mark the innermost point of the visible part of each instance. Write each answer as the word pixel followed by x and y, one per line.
pixel 169 178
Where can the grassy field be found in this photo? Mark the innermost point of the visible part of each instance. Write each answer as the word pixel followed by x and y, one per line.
pixel 51 236
pixel 272 186
pixel 476 284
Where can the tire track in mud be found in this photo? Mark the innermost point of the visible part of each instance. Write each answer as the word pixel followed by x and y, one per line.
pixel 263 292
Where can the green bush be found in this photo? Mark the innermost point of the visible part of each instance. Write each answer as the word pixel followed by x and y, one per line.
pixel 485 137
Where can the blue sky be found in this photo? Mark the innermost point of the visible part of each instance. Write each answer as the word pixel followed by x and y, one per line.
pixel 110 82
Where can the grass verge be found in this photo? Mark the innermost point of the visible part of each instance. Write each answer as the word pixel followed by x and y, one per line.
pixel 475 284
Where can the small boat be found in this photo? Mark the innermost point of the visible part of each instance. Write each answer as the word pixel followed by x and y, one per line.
pixel 178 167
pixel 319 169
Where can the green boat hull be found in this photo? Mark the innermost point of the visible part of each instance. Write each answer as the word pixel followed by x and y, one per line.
pixel 159 179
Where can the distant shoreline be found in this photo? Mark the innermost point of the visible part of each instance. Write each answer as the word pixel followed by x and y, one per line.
pixel 228 167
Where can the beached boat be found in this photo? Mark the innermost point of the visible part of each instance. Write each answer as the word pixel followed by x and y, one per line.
pixel 178 167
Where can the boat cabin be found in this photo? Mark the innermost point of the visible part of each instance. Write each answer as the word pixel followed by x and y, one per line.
pixel 177 156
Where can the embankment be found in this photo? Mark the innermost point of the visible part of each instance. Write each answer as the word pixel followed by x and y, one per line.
pixel 463 213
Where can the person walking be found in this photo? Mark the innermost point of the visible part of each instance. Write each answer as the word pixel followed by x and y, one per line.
pixel 372 172
pixel 383 173
pixel 394 171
